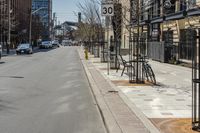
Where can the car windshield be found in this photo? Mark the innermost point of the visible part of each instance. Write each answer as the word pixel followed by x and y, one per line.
pixel 45 42
pixel 55 41
pixel 23 46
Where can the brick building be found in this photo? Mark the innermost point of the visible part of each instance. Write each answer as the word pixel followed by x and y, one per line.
pixel 19 21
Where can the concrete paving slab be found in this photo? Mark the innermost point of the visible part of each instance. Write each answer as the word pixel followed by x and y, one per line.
pixel 170 99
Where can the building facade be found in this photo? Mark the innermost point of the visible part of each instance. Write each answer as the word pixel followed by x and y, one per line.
pixel 166 29
pixel 171 24
pixel 43 9
pixel 19 21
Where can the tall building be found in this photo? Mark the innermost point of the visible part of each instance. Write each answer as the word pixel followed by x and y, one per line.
pixel 19 21
pixel 43 9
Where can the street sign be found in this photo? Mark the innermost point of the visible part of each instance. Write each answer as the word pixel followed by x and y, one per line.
pixel 107 9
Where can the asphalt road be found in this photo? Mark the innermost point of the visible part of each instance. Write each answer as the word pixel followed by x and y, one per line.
pixel 46 92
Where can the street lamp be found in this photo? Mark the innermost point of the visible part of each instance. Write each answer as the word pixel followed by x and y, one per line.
pixel 30 23
pixel 9 28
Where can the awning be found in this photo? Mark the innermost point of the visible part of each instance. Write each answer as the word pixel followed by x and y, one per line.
pixel 176 15
pixel 193 12
pixel 157 20
pixel 143 23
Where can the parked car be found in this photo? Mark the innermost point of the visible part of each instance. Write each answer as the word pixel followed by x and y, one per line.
pixel 67 43
pixel 24 48
pixel 0 51
pixel 46 44
pixel 55 43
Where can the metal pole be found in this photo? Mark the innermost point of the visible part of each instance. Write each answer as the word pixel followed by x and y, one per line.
pixel 1 23
pixel 30 23
pixel 30 27
pixel 137 44
pixel 8 41
pixel 108 54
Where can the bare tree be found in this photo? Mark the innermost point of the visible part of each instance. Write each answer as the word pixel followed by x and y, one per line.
pixel 90 29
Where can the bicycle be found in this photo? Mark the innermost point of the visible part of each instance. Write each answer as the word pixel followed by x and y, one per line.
pixel 146 68
pixel 149 72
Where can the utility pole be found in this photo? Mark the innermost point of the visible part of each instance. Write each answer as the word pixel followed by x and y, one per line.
pixel 30 23
pixel 8 40
pixel 30 27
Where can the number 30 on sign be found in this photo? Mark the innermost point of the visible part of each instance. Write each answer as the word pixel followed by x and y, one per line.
pixel 107 9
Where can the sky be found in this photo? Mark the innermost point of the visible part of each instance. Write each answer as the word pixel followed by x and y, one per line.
pixel 65 9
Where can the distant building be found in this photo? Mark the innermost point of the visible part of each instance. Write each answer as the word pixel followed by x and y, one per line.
pixel 44 8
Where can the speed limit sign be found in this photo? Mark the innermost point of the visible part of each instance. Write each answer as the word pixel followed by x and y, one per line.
pixel 107 9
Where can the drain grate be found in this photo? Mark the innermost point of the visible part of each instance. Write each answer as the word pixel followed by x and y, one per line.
pixel 112 91
pixel 180 99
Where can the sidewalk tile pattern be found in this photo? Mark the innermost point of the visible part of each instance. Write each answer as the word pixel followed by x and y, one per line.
pixel 167 105
pixel 170 99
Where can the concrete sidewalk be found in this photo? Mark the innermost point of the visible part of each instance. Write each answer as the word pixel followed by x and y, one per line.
pixel 166 106
pixel 117 115
pixel 12 52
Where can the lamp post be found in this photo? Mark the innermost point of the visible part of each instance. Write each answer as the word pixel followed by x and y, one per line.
pixel 8 42
pixel 30 23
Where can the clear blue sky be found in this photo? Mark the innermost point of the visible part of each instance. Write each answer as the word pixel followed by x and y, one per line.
pixel 65 9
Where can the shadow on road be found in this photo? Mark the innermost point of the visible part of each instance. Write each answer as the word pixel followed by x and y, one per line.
pixel 43 50
pixel 2 62
pixel 16 77
pixel 5 106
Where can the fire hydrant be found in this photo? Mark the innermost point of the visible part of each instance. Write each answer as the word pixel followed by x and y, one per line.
pixel 86 54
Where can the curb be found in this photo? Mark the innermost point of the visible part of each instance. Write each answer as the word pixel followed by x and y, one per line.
pixel 108 119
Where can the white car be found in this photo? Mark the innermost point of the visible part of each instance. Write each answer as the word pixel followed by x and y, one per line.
pixel 55 43
pixel 67 43
pixel 46 44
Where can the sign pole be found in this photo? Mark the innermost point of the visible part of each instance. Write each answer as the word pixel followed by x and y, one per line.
pixel 108 56
pixel 107 10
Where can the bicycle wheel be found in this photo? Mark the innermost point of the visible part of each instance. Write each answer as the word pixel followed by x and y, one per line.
pixel 151 73
pixel 145 72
